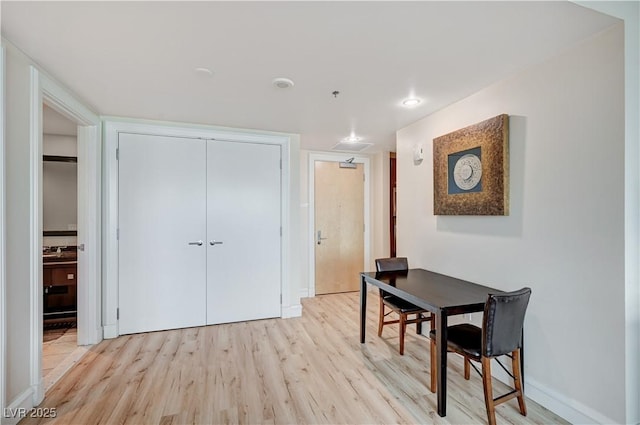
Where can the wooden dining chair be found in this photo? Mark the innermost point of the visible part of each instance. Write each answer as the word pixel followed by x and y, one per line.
pixel 402 308
pixel 501 334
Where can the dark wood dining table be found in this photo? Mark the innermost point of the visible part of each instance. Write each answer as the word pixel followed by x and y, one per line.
pixel 439 294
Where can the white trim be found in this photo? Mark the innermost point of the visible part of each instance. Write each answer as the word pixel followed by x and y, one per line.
pixel 110 222
pixel 109 331
pixel 292 311
pixel 44 90
pixel 304 292
pixel 3 260
pixel 569 409
pixel 35 237
pixel 337 157
pixel 109 232
pixel 89 213
pixel 22 403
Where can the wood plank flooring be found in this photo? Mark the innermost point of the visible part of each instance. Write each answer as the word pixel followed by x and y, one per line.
pixel 307 370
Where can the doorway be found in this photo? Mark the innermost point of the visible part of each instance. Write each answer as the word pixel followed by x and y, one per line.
pixel 339 222
pixel 47 92
pixel 59 242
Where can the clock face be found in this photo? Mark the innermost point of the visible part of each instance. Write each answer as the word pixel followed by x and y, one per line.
pixel 467 171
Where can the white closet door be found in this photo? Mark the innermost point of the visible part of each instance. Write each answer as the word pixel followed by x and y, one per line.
pixel 162 216
pixel 243 231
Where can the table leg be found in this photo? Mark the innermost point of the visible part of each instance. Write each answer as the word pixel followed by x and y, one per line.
pixel 441 361
pixel 363 308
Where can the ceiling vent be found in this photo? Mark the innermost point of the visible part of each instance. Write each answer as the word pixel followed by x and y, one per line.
pixel 351 146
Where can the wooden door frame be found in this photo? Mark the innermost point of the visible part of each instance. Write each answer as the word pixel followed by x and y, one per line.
pixel 337 157
pixel 44 90
pixel 290 306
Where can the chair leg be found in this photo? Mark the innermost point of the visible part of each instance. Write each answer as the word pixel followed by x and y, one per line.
pixel 381 320
pixel 419 324
pixel 488 390
pixel 432 349
pixel 467 368
pixel 403 329
pixel 517 381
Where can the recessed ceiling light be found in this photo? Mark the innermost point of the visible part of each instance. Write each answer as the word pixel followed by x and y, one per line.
pixel 409 103
pixel 205 72
pixel 352 139
pixel 282 83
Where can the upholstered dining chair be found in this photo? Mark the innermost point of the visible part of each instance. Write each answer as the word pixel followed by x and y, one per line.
pixel 401 307
pixel 501 334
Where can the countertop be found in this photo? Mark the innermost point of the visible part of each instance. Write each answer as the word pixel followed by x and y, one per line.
pixel 66 255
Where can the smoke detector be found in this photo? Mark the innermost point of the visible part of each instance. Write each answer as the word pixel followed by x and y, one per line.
pixel 282 83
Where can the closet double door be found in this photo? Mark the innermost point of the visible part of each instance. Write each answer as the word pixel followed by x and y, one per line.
pixel 199 232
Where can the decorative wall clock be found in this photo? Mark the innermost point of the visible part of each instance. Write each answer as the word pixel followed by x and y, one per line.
pixel 471 169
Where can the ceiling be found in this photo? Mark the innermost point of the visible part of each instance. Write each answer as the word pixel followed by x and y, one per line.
pixel 138 59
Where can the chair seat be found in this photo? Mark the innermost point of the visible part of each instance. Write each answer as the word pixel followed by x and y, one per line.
pixel 399 304
pixel 465 339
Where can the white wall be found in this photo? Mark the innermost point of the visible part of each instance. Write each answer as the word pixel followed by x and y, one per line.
pixel 17 166
pixel 565 235
pixel 629 11
pixel 55 144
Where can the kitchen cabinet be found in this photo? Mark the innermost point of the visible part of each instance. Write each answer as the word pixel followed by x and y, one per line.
pixel 59 277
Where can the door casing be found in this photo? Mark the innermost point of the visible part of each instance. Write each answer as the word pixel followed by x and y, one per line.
pixel 337 157
pixel 45 90
pixel 290 306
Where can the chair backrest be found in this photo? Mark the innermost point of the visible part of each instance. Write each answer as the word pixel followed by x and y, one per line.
pixel 392 264
pixel 503 321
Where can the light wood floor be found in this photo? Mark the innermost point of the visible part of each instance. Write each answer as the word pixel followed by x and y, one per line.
pixel 60 352
pixel 308 370
pixel 57 346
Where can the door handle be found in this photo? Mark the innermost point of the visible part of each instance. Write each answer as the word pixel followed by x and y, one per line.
pixel 212 243
pixel 199 243
pixel 320 238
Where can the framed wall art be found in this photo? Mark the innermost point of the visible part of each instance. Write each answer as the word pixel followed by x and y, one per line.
pixel 471 169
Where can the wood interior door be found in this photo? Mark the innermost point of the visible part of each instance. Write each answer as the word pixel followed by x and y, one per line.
pixel 243 231
pixel 339 227
pixel 162 227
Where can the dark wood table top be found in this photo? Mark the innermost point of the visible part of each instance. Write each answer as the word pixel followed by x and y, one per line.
pixel 433 291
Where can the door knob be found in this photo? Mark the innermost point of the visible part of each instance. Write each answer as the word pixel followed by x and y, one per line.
pixel 199 243
pixel 212 243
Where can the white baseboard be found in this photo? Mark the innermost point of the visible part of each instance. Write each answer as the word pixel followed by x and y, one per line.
pixel 18 408
pixel 38 392
pixel 304 292
pixel 571 410
pixel 292 311
pixel 563 406
pixel 110 331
